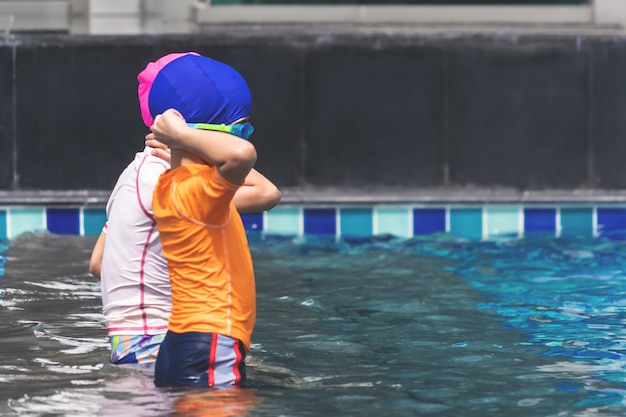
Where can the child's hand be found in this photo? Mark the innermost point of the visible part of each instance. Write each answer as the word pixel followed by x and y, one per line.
pixel 167 128
pixel 160 150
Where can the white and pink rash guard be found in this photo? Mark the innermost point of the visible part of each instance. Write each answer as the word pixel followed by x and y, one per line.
pixel 135 285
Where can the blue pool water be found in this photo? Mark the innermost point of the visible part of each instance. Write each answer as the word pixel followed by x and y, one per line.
pixel 435 325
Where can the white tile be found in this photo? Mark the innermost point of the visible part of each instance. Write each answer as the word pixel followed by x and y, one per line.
pixel 115 25
pixel 114 7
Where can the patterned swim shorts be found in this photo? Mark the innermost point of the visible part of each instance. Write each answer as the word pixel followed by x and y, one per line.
pixel 137 348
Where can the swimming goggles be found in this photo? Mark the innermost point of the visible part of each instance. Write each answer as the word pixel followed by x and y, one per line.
pixel 243 130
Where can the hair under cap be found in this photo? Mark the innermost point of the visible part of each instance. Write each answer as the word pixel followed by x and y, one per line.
pixel 202 89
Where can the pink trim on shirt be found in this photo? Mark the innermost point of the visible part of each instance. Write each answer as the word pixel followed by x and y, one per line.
pixel 144 252
pixel 142 271
pixel 130 328
pixel 137 188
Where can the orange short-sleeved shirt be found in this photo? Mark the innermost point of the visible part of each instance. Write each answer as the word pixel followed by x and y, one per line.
pixel 206 248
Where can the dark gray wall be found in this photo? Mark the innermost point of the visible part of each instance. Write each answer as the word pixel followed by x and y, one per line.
pixel 344 109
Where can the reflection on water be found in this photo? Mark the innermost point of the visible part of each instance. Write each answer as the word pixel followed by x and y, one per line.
pixel 222 403
pixel 433 325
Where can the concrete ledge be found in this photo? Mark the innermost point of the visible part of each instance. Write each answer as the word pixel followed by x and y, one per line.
pixel 35 16
pixel 205 14
pixel 70 197
pixel 331 195
pixel 445 196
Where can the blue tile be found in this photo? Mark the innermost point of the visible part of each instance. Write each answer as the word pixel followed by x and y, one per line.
pixel 3 224
pixel 611 219
pixel 63 221
pixel 93 221
pixel 320 221
pixel 540 220
pixel 253 221
pixel 427 221
pixel 576 221
pixel 356 222
pixel 467 222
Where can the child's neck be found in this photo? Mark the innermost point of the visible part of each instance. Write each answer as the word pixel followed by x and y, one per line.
pixel 180 158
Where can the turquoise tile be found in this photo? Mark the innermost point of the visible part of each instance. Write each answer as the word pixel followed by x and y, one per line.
pixel 3 224
pixel 467 222
pixel 283 221
pixel 23 220
pixel 93 220
pixel 503 221
pixel 394 221
pixel 356 222
pixel 576 221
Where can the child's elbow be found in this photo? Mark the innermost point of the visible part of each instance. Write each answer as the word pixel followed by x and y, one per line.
pixel 246 155
pixel 273 196
pixel 94 269
pixel 238 165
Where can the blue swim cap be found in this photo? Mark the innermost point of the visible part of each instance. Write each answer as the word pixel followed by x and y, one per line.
pixel 202 89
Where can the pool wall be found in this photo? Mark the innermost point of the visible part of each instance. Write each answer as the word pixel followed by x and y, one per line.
pixel 336 106
pixel 353 108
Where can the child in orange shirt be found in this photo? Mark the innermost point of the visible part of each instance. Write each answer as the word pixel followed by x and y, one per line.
pixel 203 238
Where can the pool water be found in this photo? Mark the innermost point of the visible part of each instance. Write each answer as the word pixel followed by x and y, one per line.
pixel 435 325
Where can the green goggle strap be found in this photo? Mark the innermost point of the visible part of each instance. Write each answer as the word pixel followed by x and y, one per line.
pixel 242 130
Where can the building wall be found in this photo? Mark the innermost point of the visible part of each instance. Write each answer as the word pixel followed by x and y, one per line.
pixel 339 108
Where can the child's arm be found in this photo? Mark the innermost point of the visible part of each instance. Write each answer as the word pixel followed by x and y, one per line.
pixel 234 157
pixel 257 193
pixel 160 150
pixel 95 262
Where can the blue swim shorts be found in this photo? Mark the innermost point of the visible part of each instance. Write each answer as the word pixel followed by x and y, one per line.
pixel 138 348
pixel 200 360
